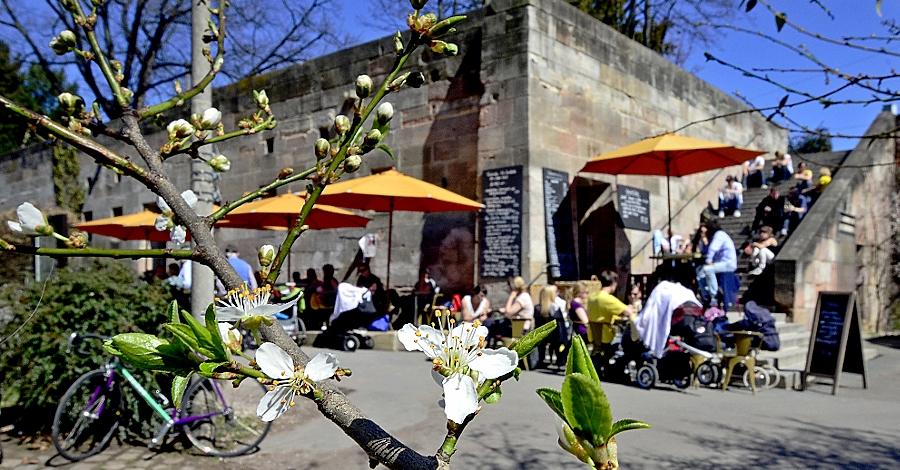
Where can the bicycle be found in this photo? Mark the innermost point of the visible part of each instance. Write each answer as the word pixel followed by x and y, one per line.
pixel 220 421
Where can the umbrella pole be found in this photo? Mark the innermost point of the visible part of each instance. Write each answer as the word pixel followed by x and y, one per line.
pixel 390 235
pixel 669 196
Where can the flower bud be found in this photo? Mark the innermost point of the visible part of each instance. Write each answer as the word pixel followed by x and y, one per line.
pixel 266 255
pixel 424 22
pixel 69 102
pixel 384 113
pixel 418 4
pixel 210 119
pixel 398 43
pixel 179 129
pixel 352 163
pixel 77 239
pixel 220 163
pixel 64 42
pixel 363 86
pixel 372 139
pixel 178 235
pixel 262 99
pixel 231 336
pixel 162 223
pixel 323 147
pixel 342 124
pixel 285 172
pixel 127 94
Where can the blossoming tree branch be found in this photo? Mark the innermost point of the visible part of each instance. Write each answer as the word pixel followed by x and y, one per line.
pixel 470 373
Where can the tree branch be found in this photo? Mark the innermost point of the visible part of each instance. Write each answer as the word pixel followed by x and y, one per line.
pixel 279 182
pixel 101 252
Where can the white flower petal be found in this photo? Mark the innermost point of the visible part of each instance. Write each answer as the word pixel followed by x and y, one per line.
pixel 460 397
pixel 14 226
pixel 161 223
pixel 269 310
pixel 229 313
pixel 424 338
pixel 30 216
pixel 321 367
pixel 190 198
pixel 178 234
pixel 274 403
pixel 231 336
pixel 274 362
pixel 493 363
pixel 467 337
pixel 163 206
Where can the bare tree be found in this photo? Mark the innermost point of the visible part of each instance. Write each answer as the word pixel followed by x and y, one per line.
pixel 144 38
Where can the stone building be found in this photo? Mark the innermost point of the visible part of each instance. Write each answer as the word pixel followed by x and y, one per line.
pixel 537 85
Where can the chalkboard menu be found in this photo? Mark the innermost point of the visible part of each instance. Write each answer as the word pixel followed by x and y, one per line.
pixel 634 208
pixel 836 342
pixel 501 234
pixel 556 186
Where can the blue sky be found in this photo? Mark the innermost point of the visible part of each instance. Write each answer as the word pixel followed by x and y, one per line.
pixel 851 18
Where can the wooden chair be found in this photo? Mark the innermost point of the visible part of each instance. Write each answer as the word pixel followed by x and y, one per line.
pixel 746 347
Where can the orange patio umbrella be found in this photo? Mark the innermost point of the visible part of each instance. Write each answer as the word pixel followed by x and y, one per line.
pixel 137 226
pixel 391 191
pixel 669 155
pixel 280 213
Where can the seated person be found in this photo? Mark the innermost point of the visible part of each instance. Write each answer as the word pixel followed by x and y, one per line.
pixel 578 312
pixel 476 305
pixel 721 257
pixel 795 207
pixel 803 177
pixel 824 180
pixel 731 197
pixel 518 305
pixel 552 307
pixel 754 172
pixel 604 307
pixel 782 167
pixel 770 211
pixel 354 308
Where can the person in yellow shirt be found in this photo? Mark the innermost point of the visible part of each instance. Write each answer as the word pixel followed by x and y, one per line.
pixel 603 307
pixel 824 180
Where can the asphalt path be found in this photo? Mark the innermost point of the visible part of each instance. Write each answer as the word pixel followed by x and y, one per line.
pixel 694 429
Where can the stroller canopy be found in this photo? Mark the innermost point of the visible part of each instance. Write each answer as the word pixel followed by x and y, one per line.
pixel 655 321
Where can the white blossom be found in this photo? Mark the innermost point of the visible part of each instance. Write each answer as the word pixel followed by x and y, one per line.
pixel 289 381
pixel 31 221
pixel 244 303
pixel 460 357
pixel 179 129
pixel 210 118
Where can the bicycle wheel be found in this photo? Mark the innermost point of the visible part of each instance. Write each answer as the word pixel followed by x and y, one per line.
pixel 87 416
pixel 228 425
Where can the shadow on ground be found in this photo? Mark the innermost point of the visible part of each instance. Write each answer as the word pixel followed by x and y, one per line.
pixel 890 341
pixel 795 444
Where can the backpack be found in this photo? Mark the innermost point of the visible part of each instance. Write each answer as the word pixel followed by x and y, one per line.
pixel 760 319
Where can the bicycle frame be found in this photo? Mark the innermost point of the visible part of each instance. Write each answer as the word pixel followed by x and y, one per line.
pixel 170 418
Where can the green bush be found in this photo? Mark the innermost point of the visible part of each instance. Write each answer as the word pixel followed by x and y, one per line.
pixel 103 297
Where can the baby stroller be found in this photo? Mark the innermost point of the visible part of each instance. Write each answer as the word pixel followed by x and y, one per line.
pixel 353 311
pixel 670 327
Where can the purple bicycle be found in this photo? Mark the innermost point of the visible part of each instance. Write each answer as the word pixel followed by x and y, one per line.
pixel 218 419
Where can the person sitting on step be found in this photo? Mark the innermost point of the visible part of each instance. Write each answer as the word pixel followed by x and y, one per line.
pixel 731 197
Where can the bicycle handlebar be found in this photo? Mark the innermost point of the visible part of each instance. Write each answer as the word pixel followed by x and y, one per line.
pixel 76 340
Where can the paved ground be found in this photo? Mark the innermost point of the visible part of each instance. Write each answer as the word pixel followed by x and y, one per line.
pixel 697 429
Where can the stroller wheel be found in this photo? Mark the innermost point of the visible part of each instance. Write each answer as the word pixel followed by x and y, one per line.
pixel 762 378
pixel 683 382
pixel 368 342
pixel 774 376
pixel 646 376
pixel 349 343
pixel 707 374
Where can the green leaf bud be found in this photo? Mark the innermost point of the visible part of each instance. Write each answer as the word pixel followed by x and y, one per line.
pixel 341 124
pixel 445 26
pixel 363 86
pixel 220 163
pixel 69 103
pixel 384 113
pixel 323 147
pixel 398 43
pixel 446 48
pixel 64 42
pixel 352 163
pixel 262 99
pixel 266 255
pixel 373 137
